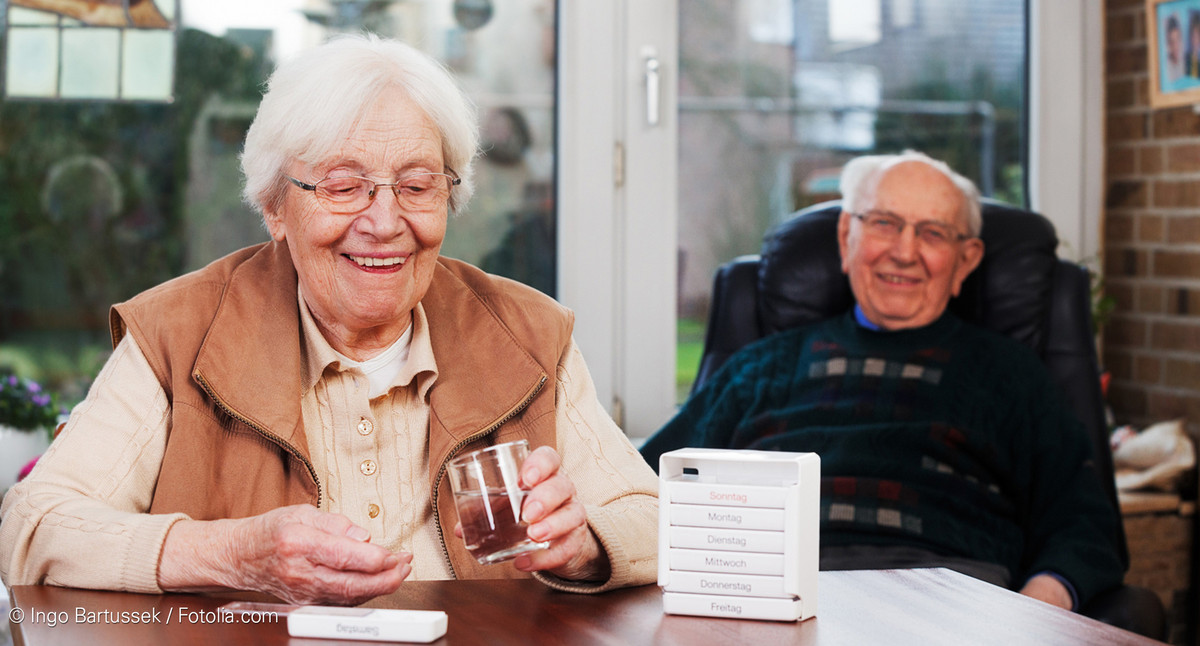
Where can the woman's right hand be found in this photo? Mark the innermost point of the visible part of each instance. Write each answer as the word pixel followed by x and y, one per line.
pixel 299 554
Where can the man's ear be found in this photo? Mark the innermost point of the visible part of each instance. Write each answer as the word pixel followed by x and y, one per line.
pixel 969 258
pixel 843 235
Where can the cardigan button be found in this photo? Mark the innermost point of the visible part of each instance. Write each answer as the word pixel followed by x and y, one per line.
pixel 372 510
pixel 367 467
pixel 365 426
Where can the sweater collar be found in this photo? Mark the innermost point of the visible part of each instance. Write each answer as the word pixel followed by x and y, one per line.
pixel 938 330
pixel 860 317
pixel 318 355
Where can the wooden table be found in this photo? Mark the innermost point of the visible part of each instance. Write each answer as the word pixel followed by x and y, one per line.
pixel 934 606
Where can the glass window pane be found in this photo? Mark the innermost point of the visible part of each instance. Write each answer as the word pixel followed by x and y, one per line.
pixel 766 123
pixel 147 64
pixel 507 64
pixel 163 179
pixel 167 8
pixel 32 62
pixel 90 63
pixel 18 16
pixel 854 21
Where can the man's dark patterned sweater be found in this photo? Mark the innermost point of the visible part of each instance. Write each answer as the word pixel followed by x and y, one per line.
pixel 949 438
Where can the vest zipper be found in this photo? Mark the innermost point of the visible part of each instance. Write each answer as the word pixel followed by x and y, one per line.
pixel 279 441
pixel 437 519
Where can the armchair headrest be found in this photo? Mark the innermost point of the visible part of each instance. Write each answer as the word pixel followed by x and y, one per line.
pixel 800 278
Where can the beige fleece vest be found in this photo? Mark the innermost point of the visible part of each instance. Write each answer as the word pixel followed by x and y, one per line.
pixel 225 343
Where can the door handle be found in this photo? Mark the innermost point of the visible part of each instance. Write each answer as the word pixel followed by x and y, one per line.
pixel 651 75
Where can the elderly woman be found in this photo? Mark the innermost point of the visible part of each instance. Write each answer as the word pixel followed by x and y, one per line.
pixel 281 420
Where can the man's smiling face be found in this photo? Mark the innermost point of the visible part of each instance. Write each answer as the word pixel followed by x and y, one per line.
pixel 905 282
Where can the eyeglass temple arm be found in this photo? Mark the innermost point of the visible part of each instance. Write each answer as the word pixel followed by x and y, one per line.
pixel 307 187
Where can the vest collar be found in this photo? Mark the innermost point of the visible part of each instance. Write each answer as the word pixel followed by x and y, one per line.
pixel 249 361
pixel 484 375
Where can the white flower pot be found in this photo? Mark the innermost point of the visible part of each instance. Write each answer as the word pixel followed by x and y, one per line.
pixel 17 448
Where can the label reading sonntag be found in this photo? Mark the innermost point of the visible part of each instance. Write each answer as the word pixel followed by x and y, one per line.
pixel 369 624
pixel 706 493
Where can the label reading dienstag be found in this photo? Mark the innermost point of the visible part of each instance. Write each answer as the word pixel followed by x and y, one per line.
pixel 736 540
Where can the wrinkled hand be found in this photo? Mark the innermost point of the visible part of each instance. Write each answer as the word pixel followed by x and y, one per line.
pixel 554 515
pixel 1044 587
pixel 298 554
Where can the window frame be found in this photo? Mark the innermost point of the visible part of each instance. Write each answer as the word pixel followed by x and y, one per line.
pixel 615 256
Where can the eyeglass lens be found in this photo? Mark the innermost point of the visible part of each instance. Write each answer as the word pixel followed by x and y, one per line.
pixel 891 226
pixel 418 192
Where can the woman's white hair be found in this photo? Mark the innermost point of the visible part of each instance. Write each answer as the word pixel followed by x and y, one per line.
pixel 314 101
pixel 861 176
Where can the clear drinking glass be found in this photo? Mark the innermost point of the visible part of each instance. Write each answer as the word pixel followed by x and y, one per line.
pixel 488 494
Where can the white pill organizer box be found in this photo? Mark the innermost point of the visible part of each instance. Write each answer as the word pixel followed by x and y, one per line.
pixel 738 533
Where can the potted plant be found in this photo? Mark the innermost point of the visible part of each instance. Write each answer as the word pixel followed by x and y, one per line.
pixel 28 416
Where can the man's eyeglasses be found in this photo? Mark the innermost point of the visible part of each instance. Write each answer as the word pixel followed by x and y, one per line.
pixel 418 192
pixel 889 226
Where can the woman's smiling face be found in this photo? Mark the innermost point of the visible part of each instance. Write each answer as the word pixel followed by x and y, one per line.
pixel 362 274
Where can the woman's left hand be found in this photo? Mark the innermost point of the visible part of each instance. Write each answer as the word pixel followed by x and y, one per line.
pixel 553 514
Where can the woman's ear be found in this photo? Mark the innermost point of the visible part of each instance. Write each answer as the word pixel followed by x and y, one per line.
pixel 275 225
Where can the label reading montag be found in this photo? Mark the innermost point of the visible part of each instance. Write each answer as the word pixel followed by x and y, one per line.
pixel 370 624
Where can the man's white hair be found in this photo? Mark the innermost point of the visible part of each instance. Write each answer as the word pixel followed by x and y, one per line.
pixel 861 177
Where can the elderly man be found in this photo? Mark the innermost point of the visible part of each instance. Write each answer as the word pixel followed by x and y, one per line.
pixel 942 444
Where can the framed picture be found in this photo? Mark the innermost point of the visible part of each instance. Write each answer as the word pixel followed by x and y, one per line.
pixel 1173 46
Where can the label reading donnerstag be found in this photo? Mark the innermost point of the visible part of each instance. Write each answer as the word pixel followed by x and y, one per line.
pixel 737 540
pixel 742 585
pixel 733 562
pixel 725 517
pixel 705 493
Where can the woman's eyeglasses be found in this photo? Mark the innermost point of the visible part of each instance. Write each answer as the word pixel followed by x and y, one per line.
pixel 418 192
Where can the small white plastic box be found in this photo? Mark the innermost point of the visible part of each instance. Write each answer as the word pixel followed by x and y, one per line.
pixel 738 533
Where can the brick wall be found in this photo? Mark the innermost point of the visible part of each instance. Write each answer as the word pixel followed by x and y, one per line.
pixel 1151 235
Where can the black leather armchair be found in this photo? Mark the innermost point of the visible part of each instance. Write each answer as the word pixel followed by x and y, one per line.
pixel 1021 289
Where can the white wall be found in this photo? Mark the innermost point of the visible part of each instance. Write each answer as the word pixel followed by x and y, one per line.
pixel 1066 152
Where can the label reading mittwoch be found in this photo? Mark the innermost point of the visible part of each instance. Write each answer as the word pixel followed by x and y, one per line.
pixel 733 562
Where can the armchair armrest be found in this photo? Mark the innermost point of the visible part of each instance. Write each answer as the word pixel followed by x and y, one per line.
pixel 1131 607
